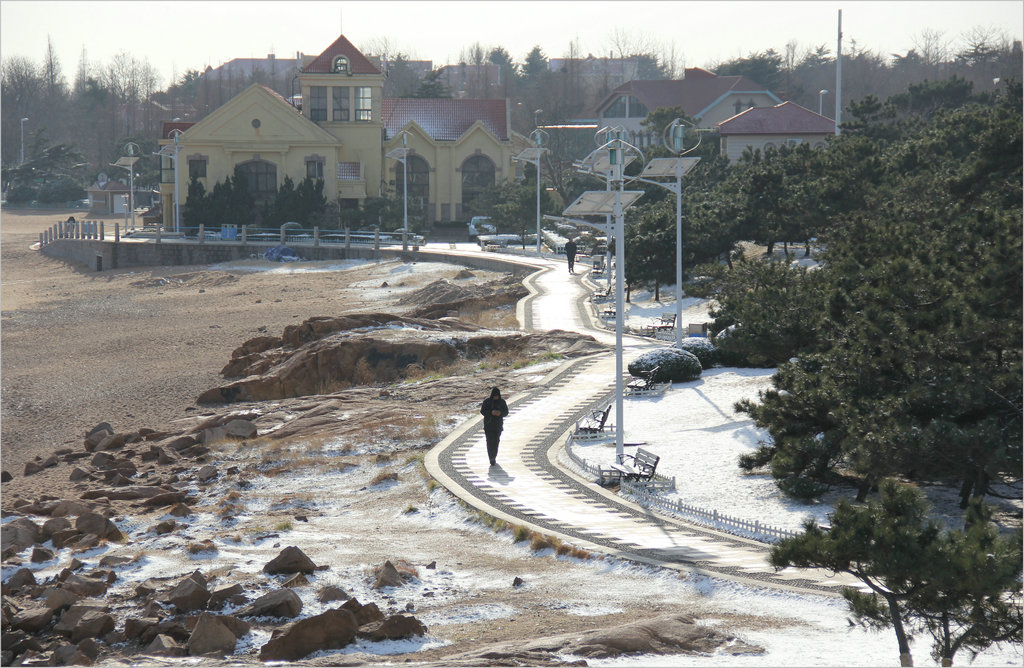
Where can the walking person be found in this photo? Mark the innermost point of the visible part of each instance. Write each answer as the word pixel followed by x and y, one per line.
pixel 494 409
pixel 570 254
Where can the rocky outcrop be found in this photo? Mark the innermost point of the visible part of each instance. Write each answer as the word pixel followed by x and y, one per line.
pixel 324 355
pixel 332 629
pixel 670 634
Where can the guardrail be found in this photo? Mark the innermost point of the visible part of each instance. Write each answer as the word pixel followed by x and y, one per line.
pixel 711 518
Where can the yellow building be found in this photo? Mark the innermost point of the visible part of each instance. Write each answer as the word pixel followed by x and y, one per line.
pixel 343 133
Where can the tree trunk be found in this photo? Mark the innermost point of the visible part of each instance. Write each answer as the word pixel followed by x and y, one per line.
pixel 807 248
pixel 901 635
pixel 657 291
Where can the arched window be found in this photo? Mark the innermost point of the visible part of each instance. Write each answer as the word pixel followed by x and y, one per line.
pixel 477 176
pixel 260 179
pixel 419 179
pixel 340 65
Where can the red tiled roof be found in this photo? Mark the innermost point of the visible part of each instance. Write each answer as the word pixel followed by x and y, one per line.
pixel 786 118
pixel 170 126
pixel 445 119
pixel 694 93
pixel 357 62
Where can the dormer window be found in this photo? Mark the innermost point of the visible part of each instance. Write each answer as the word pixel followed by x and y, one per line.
pixel 340 65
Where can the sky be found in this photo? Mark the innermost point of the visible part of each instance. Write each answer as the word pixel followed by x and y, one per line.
pixel 177 36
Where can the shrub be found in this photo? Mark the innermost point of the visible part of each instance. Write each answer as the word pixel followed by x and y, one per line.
pixel 703 349
pixel 674 365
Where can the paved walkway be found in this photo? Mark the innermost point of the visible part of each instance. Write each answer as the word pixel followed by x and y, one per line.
pixel 530 487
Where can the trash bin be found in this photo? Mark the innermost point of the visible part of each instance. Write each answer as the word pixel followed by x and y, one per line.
pixel 99 262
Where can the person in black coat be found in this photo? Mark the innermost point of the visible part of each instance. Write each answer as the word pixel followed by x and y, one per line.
pixel 570 253
pixel 494 409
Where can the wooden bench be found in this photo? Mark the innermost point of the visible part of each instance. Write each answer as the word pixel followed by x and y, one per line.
pixel 640 466
pixel 644 383
pixel 593 425
pixel 665 322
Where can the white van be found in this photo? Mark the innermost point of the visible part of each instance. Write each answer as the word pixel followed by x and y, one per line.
pixel 480 225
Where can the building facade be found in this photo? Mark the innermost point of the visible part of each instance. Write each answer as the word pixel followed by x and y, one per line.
pixel 766 128
pixel 342 133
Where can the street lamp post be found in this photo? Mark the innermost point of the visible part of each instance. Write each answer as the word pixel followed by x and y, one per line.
pixel 22 160
pixel 674 139
pixel 821 93
pixel 609 162
pixel 532 156
pixel 402 155
pixel 129 164
pixel 172 156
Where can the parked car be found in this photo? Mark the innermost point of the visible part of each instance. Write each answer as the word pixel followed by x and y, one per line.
pixel 480 225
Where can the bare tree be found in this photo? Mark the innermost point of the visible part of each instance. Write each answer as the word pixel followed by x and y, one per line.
pixel 933 46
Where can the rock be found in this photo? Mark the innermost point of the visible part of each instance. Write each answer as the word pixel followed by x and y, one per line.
pixel 101 459
pixel 213 435
pixel 432 565
pixel 90 647
pixel 67 508
pixel 165 646
pixel 52 526
pixel 332 629
pixel 517 582
pixel 190 594
pixel 174 629
pixel 41 555
pixel 18 534
pixel 58 598
pixel 114 560
pixel 5 476
pixel 279 603
pixel 136 626
pixel 394 627
pixel 206 473
pixel 211 636
pixel 290 560
pixel 165 499
pixel 65 537
pixel 82 621
pixel 32 619
pixel 21 578
pixel 332 593
pixel 241 429
pixel 167 526
pixel 97 524
pixel 76 584
pixel 388 576
pixel 78 473
pixel 69 655
pixel 363 614
pixel 219 597
pixel 297 580
pixel 179 510
pixel 112 442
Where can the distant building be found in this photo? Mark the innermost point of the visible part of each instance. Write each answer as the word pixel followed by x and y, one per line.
pixel 341 134
pixel 762 128
pixel 702 95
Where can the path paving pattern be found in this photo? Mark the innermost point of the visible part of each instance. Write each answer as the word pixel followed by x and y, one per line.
pixel 531 487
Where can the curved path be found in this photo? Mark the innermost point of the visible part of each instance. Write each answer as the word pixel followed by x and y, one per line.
pixel 530 488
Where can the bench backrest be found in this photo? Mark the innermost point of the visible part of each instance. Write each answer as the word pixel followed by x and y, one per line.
pixel 647 461
pixel 668 318
pixel 604 416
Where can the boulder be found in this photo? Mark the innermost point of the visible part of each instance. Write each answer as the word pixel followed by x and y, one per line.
pixel 82 621
pixel 332 629
pixel 68 508
pixel 97 524
pixel 18 534
pixel 211 636
pixel 82 586
pixel 52 526
pixel 65 537
pixel 21 578
pixel 167 526
pixel 290 560
pixel 112 442
pixel 165 499
pixel 332 593
pixel 32 619
pixel 90 647
pixel 58 598
pixel 388 576
pixel 41 554
pixel 190 594
pixel 165 646
pixel 136 626
pixel 206 473
pixel 241 429
pixel 297 580
pixel 279 603
pixel 233 594
pixel 78 473
pixel 395 627
pixel 69 655
pixel 364 614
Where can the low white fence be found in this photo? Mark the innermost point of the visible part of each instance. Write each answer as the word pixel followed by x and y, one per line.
pixel 643 495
